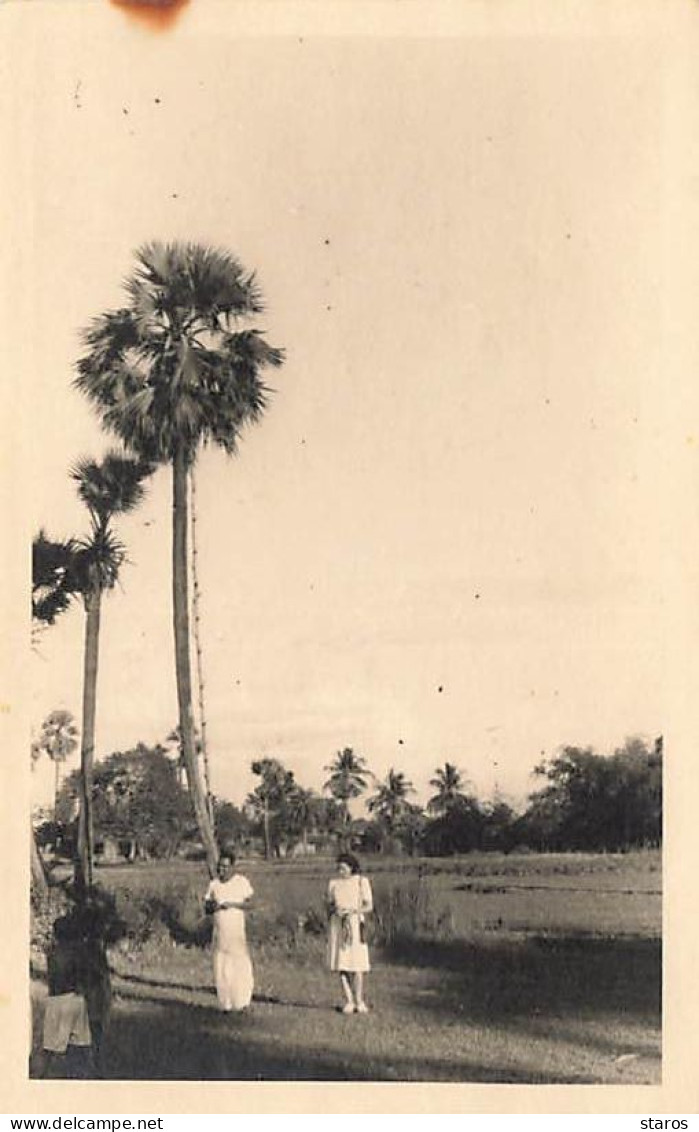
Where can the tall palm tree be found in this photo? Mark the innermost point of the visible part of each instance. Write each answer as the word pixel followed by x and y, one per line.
pixel 450 786
pixel 58 739
pixel 109 487
pixel 390 802
pixel 196 624
pixel 347 779
pixel 171 370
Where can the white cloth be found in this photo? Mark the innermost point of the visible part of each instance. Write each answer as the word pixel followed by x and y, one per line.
pixel 232 966
pixel 349 898
pixel 66 1022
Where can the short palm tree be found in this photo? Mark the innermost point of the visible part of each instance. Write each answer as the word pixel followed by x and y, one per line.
pixel 390 802
pixel 275 788
pixel 58 739
pixel 302 809
pixel 347 779
pixel 450 787
pixel 109 487
pixel 171 370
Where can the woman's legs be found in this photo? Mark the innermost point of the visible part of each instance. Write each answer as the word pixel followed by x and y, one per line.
pixel 348 1008
pixel 359 992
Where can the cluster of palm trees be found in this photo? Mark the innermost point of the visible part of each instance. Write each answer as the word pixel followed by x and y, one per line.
pixel 285 811
pixel 178 366
pixel 349 777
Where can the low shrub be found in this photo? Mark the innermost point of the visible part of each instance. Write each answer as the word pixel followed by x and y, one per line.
pixel 408 913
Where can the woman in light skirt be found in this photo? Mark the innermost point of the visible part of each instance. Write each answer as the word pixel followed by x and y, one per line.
pixel 349 899
pixel 226 899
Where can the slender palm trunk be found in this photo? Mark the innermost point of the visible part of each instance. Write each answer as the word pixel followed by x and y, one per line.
pixel 56 781
pixel 265 826
pixel 197 648
pixel 183 670
pixel 93 605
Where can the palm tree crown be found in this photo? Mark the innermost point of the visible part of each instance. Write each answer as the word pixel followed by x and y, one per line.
pixel 173 369
pixel 348 775
pixel 449 784
pixel 108 487
pixel 390 801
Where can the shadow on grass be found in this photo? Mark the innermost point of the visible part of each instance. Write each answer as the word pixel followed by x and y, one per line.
pixel 579 988
pixel 569 976
pixel 168 1042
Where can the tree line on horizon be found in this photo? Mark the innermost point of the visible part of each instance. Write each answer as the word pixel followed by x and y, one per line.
pixel 587 801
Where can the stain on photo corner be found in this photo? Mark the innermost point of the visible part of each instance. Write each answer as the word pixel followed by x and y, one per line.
pixel 158 15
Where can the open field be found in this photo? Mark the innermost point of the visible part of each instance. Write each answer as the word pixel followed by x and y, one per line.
pixel 539 968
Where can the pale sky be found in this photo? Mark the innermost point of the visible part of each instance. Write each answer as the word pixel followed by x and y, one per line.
pixel 460 242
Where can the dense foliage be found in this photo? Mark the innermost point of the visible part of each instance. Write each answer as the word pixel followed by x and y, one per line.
pixel 137 800
pixel 587 801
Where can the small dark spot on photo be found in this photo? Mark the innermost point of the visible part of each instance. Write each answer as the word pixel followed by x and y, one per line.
pixel 156 101
pixel 124 110
pixel 326 242
pixel 400 742
pixel 440 688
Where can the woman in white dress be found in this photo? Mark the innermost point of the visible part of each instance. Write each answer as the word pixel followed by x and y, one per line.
pixel 226 899
pixel 349 899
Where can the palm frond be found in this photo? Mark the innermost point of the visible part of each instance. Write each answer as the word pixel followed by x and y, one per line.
pixel 98 561
pixel 53 580
pixel 111 486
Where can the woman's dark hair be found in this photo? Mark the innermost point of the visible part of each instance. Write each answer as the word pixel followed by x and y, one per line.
pixel 226 855
pixel 351 860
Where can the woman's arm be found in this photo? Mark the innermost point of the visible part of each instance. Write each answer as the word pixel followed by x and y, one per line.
pixel 330 906
pixel 366 900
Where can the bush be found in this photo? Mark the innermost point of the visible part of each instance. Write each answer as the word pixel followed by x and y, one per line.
pixel 408 913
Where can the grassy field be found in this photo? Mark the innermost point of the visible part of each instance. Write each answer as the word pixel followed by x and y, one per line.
pixel 539 968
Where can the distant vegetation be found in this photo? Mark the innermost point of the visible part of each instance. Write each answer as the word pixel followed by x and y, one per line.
pixel 586 801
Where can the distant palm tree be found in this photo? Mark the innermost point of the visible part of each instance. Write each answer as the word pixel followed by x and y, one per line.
pixel 271 795
pixel 302 806
pixel 58 739
pixel 109 487
pixel 170 371
pixel 390 802
pixel 347 779
pixel 450 785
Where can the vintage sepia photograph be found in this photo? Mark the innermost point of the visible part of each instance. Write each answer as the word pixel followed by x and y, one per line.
pixel 346 694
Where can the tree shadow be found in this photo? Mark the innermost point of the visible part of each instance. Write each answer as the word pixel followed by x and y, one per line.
pixel 161 1043
pixel 508 979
